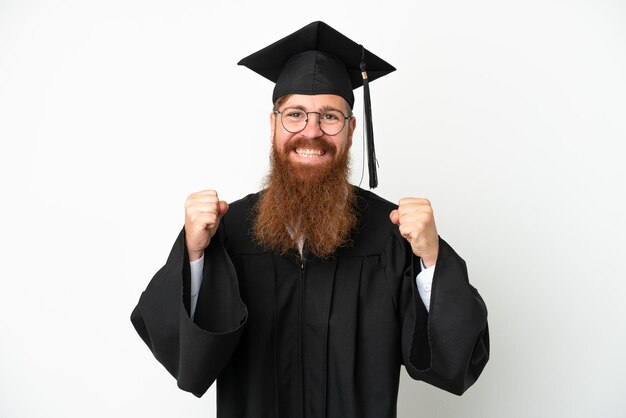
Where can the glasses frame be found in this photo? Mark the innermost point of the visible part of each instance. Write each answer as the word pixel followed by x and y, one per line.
pixel 319 120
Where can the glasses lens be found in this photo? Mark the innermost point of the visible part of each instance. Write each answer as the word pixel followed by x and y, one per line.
pixel 331 122
pixel 294 120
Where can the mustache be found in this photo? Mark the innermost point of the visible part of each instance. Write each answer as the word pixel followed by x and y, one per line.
pixel 317 143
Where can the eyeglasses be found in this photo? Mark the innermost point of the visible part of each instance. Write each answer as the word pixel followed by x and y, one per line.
pixel 294 120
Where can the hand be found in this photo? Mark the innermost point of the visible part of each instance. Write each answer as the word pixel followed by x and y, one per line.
pixel 203 212
pixel 417 225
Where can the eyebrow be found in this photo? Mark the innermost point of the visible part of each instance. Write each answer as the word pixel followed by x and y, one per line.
pixel 327 108
pixel 323 109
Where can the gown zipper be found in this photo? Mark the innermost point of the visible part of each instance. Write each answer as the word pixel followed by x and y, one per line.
pixel 302 279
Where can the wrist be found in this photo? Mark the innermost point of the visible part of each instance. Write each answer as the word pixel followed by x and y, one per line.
pixel 429 260
pixel 195 255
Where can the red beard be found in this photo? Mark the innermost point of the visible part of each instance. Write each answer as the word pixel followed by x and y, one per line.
pixel 300 202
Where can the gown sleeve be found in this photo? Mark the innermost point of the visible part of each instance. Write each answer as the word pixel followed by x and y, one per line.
pixel 193 351
pixel 447 346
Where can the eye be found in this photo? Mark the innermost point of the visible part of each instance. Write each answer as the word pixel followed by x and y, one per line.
pixel 294 114
pixel 330 117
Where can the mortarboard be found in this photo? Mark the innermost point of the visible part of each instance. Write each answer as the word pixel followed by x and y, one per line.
pixel 317 59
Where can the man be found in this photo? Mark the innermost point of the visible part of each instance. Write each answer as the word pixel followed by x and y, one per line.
pixel 303 300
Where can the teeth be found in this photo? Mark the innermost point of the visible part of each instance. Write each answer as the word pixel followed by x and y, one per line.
pixel 309 153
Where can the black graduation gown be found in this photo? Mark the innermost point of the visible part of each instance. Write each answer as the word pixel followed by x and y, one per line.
pixel 293 337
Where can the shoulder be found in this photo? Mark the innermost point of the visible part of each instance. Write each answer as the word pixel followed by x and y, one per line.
pixel 237 225
pixel 242 208
pixel 374 228
pixel 373 204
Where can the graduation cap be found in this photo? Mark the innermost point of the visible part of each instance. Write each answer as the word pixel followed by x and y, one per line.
pixel 317 59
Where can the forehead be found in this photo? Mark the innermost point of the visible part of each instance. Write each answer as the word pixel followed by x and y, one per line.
pixel 317 101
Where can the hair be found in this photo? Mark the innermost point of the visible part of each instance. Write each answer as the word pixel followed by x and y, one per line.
pixel 279 102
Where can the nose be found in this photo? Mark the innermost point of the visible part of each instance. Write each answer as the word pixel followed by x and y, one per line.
pixel 312 129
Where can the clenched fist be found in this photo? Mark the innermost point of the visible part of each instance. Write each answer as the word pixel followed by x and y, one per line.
pixel 203 212
pixel 417 225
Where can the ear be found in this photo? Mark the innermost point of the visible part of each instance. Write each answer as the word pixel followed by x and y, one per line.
pixel 272 126
pixel 351 128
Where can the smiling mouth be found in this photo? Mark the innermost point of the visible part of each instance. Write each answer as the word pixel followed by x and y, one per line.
pixel 309 153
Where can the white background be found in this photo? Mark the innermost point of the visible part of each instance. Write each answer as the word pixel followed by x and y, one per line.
pixel 509 116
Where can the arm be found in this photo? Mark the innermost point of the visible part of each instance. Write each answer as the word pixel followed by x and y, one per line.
pixel 447 346
pixel 445 340
pixel 194 352
pixel 194 348
pixel 424 281
pixel 195 267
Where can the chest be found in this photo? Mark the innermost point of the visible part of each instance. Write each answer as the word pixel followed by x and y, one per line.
pixel 316 299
